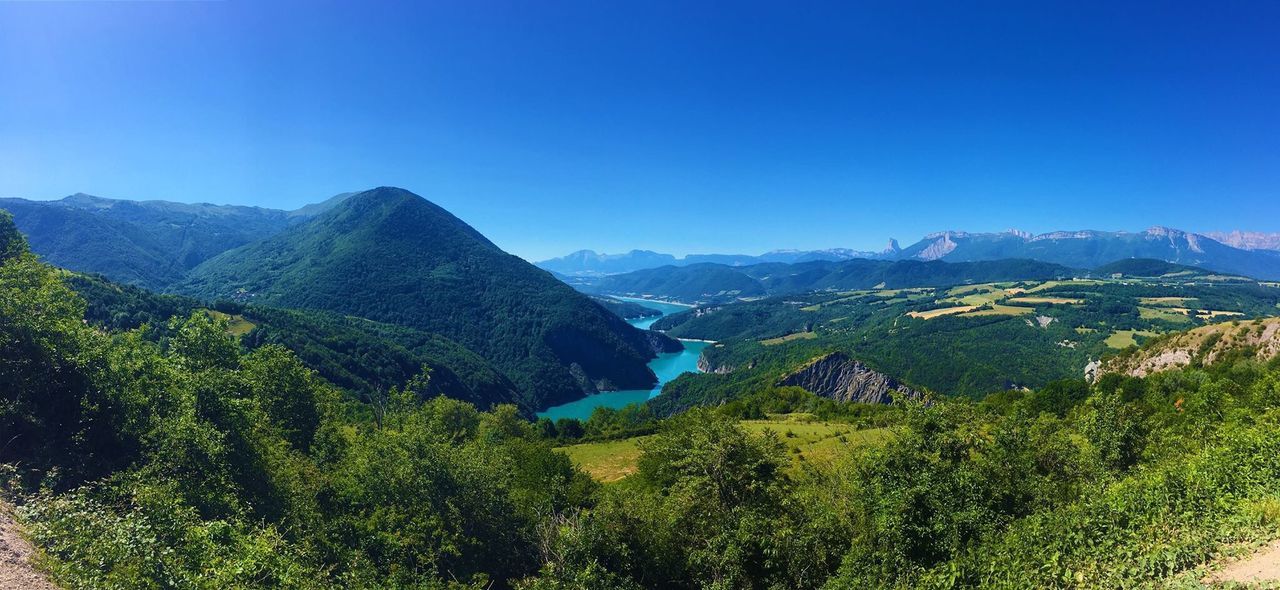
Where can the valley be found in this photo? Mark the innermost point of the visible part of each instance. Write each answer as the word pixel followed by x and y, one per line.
pixel 375 358
pixel 667 366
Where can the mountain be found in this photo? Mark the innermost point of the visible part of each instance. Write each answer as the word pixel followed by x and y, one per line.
pixel 1091 249
pixel 590 263
pixel 1248 240
pixel 359 355
pixel 1246 253
pixel 1149 268
pixel 720 283
pixel 391 256
pixel 147 243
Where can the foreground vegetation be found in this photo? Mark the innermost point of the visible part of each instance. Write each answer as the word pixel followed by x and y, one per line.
pixel 188 461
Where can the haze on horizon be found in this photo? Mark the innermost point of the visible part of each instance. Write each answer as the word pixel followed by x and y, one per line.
pixel 668 127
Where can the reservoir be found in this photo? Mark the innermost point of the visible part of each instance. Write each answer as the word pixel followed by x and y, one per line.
pixel 667 366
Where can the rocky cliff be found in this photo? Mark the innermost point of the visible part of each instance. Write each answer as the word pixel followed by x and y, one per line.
pixel 1259 339
pixel 841 378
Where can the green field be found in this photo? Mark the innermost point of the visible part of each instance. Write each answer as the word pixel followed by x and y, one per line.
pixel 1126 338
pixel 236 324
pixel 815 443
pixel 789 338
pixel 606 461
pixel 997 309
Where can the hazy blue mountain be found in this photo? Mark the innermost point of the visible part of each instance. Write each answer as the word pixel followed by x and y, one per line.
pixel 1246 253
pixel 146 243
pixel 1090 249
pixel 1248 240
pixel 391 256
pixel 590 263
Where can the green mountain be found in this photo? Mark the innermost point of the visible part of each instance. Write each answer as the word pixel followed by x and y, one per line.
pixel 1149 267
pixel 393 257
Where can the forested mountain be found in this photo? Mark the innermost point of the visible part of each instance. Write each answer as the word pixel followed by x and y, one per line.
pixel 391 256
pixel 147 243
pixel 714 282
pixel 364 357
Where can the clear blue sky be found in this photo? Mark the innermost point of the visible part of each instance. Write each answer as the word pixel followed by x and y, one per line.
pixel 725 127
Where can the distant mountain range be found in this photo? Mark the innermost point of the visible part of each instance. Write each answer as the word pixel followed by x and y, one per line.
pixel 590 263
pixel 1249 254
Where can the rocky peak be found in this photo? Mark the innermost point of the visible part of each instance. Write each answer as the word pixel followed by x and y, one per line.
pixel 941 246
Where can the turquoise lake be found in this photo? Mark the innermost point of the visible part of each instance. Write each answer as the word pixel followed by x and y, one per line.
pixel 667 367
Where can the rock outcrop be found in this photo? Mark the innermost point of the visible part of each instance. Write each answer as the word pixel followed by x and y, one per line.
pixel 1204 345
pixel 838 377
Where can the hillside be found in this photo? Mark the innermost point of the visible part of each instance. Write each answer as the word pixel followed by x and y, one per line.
pixel 1255 339
pixel 147 243
pixel 391 256
pixel 361 356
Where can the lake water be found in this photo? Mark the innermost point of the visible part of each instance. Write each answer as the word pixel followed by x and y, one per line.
pixel 667 366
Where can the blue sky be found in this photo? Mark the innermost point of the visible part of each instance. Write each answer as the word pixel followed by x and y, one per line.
pixel 716 127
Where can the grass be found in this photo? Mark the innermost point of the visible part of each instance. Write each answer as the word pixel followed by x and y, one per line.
pixel 1045 300
pixel 816 443
pixel 1157 313
pixel 236 324
pixel 1051 284
pixel 789 338
pixel 1166 301
pixel 1121 339
pixel 997 309
pixel 606 461
pixel 933 313
pixel 807 442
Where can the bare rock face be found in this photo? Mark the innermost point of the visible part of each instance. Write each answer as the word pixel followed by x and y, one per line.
pixel 841 378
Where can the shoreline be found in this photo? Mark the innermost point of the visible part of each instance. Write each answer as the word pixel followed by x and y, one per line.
pixel 639 299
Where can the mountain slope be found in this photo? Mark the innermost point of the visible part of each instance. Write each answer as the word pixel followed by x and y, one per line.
pixel 147 243
pixel 359 355
pixel 391 256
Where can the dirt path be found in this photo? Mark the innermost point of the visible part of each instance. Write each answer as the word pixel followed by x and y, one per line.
pixel 1262 566
pixel 15 557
